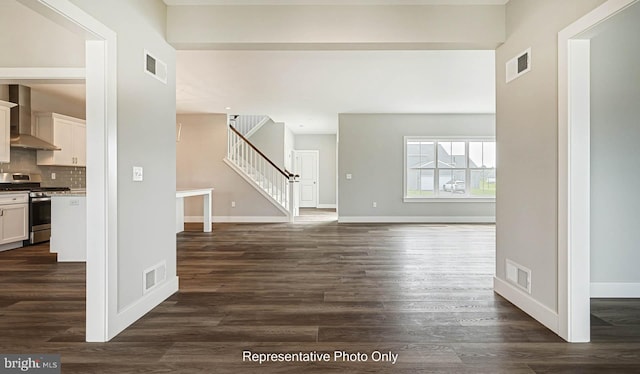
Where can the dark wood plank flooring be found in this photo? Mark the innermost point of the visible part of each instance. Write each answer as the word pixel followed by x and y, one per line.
pixel 423 292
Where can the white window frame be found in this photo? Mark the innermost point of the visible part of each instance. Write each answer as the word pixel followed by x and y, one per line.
pixel 462 199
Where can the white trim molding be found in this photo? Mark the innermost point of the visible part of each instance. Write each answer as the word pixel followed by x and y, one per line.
pixel 102 166
pixel 573 172
pixel 416 219
pixel 327 206
pixel 528 304
pixel 239 219
pixel 142 306
pixel 615 290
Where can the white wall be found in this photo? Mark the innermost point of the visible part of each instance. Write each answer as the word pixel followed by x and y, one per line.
pixel 199 156
pixel 289 146
pixel 146 137
pixel 28 39
pixel 326 145
pixel 371 148
pixel 615 136
pixel 269 139
pixel 527 142
pixel 328 27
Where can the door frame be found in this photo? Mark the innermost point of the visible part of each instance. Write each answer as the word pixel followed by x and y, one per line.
pixel 100 77
pixel 574 288
pixel 317 153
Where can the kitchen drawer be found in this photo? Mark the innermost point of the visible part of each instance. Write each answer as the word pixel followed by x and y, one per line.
pixel 14 198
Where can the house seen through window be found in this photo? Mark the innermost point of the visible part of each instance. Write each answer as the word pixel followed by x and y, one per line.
pixel 450 168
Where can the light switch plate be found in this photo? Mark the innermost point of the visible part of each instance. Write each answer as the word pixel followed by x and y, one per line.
pixel 137 174
pixel 349 176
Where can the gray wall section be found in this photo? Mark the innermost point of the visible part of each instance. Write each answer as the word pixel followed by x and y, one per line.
pixel 289 146
pixel 146 137
pixel 269 139
pixel 615 135
pixel 199 154
pixel 371 148
pixel 326 145
pixel 527 142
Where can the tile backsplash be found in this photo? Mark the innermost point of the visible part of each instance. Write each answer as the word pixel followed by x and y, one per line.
pixel 24 161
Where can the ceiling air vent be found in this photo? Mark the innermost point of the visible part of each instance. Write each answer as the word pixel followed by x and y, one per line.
pixel 519 65
pixel 155 67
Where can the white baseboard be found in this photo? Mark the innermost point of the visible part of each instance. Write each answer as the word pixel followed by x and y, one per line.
pixel 326 206
pixel 143 306
pixel 416 219
pixel 528 304
pixel 239 219
pixel 615 290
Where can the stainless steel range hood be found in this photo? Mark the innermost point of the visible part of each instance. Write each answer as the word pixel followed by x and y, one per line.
pixel 21 136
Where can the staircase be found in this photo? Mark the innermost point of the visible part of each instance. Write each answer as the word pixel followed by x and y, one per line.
pixel 247 125
pixel 277 184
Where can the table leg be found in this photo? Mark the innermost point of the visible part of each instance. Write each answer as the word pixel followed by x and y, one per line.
pixel 207 212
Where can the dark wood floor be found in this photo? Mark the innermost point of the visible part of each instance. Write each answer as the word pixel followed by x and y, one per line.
pixel 423 292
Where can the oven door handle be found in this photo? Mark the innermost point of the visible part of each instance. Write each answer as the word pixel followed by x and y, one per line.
pixel 40 199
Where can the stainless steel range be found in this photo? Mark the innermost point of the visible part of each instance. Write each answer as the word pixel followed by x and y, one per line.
pixel 39 203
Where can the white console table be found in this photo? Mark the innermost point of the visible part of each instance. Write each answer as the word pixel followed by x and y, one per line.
pixel 181 194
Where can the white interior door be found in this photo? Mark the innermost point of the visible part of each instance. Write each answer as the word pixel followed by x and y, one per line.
pixel 307 168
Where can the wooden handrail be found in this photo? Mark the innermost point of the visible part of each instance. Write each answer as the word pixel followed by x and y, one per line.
pixel 286 175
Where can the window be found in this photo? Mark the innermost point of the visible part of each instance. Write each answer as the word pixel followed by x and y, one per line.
pixel 449 168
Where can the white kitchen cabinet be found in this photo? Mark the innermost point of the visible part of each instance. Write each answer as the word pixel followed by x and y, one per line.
pixel 14 218
pixel 67 133
pixel 5 130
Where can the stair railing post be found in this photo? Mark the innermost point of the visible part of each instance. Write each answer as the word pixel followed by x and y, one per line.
pixel 294 190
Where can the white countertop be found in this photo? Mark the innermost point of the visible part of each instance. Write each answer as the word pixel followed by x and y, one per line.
pixel 184 192
pixel 80 192
pixel 13 192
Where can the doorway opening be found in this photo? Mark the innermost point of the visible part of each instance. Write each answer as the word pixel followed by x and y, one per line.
pixel 584 159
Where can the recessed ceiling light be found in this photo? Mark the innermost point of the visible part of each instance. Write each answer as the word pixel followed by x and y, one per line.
pixel 227 108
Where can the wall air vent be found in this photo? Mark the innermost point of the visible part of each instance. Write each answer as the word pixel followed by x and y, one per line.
pixel 519 65
pixel 519 275
pixel 155 67
pixel 154 276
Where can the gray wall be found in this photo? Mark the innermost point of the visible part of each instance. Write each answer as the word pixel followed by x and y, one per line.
pixel 289 146
pixel 199 156
pixel 371 148
pixel 527 142
pixel 146 137
pixel 615 136
pixel 326 144
pixel 269 139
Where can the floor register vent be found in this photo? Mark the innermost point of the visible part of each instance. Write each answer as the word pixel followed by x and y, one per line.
pixel 154 276
pixel 519 275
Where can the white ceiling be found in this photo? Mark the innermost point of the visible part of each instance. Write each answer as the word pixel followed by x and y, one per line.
pixel 335 2
pixel 307 89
